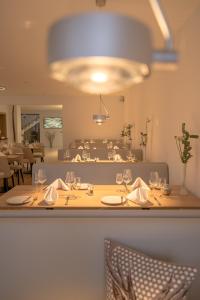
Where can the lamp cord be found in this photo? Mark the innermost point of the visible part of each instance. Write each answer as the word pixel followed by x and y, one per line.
pixel 102 104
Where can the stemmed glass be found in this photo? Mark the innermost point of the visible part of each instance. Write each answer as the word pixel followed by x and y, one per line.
pixel 127 177
pixel 84 155
pixel 39 178
pixel 70 180
pixel 36 183
pixel 119 180
pixel 129 156
pixel 42 177
pixel 78 182
pixel 110 155
pixel 67 154
pixel 88 156
pixel 154 180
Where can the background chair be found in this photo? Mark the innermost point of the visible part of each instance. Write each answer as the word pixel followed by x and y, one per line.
pixel 6 172
pixel 38 152
pixel 28 158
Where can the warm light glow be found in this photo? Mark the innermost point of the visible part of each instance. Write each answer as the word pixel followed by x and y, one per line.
pixel 99 119
pixel 110 52
pixel 99 77
pixel 99 123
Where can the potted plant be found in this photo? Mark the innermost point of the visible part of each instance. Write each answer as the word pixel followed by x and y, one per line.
pixel 184 149
pixel 144 138
pixel 126 133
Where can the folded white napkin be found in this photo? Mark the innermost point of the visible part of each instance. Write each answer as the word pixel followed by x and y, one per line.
pixel 51 195
pixel 139 193
pixel 80 147
pixel 115 147
pixel 117 157
pixel 58 184
pixel 77 158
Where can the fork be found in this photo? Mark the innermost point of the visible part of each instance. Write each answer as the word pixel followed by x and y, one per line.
pixel 157 201
pixel 34 199
pixel 67 200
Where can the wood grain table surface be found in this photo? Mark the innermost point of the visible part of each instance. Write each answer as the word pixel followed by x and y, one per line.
pixel 79 199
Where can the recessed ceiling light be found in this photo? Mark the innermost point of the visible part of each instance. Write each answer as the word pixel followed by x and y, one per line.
pixel 28 24
pixel 2 88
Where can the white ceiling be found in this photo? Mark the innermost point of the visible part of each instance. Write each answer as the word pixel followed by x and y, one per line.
pixel 23 34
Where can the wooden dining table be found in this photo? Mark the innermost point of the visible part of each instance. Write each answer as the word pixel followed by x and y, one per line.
pixel 81 199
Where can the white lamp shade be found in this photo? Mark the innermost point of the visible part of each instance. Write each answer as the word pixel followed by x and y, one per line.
pixel 99 119
pixel 99 52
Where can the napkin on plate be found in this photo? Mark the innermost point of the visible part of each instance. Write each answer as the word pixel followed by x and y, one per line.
pixel 117 157
pixel 140 191
pixel 51 195
pixel 77 158
pixel 58 184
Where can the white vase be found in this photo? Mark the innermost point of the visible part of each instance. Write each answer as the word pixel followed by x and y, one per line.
pixel 144 153
pixel 183 189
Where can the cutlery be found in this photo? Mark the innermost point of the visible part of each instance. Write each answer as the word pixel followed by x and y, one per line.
pixel 67 200
pixel 127 190
pixel 124 201
pixel 157 201
pixel 34 198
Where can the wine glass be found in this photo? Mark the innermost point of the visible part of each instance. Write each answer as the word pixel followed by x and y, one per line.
pixel 78 182
pixel 119 179
pixel 70 179
pixel 88 156
pixel 42 177
pixel 129 156
pixel 67 154
pixel 84 155
pixel 127 177
pixel 36 184
pixel 110 155
pixel 154 179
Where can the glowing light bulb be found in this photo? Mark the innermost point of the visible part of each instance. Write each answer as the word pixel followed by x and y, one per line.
pixel 99 77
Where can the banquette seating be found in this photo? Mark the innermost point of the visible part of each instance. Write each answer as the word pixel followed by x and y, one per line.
pixel 102 172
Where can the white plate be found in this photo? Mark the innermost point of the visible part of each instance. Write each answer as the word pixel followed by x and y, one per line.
pixel 83 186
pixel 112 200
pixel 17 200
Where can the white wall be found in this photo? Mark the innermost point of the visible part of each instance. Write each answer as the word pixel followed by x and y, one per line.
pixel 48 258
pixel 171 98
pixel 7 109
pixel 78 123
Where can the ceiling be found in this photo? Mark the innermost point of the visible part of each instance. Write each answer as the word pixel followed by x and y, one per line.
pixel 23 34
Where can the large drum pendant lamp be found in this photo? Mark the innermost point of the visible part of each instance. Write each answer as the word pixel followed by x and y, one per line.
pixel 99 53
